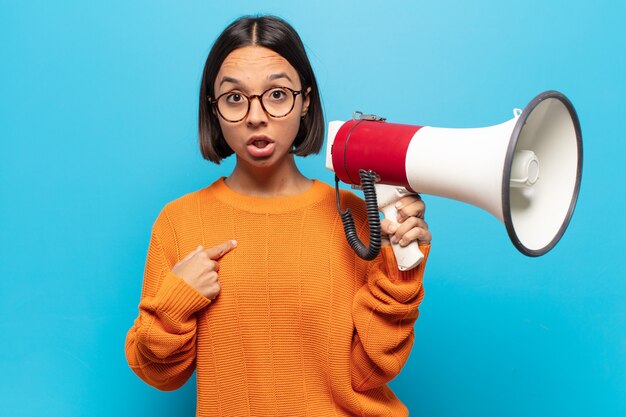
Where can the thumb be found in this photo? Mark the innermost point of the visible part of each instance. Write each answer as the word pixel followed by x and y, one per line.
pixel 388 227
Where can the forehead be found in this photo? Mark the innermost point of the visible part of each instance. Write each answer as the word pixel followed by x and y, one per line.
pixel 254 64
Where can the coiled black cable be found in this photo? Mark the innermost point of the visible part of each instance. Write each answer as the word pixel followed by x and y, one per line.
pixel 368 179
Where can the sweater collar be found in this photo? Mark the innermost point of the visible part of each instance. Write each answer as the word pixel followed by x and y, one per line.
pixel 314 194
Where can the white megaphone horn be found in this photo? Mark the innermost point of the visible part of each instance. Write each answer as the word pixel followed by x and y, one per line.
pixel 526 171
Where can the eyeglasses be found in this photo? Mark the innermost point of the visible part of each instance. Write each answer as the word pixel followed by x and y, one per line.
pixel 276 102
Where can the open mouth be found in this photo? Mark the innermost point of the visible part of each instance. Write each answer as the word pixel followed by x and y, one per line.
pixel 260 146
pixel 260 143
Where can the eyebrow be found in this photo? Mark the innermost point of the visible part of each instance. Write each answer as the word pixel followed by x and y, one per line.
pixel 228 80
pixel 272 77
pixel 279 75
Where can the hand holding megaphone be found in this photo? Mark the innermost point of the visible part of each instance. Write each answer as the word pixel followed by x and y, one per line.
pixel 526 171
pixel 409 256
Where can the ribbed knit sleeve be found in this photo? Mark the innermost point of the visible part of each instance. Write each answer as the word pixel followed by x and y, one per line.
pixel 161 345
pixel 384 312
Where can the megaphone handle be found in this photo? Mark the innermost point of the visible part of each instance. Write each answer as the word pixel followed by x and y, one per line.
pixel 408 257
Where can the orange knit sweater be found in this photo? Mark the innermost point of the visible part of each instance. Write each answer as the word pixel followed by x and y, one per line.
pixel 301 327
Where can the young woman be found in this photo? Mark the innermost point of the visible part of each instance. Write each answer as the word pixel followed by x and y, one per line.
pixel 250 281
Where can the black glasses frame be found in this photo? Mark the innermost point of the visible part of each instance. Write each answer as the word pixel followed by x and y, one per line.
pixel 258 96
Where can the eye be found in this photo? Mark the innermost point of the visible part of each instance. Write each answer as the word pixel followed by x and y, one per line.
pixel 235 98
pixel 277 94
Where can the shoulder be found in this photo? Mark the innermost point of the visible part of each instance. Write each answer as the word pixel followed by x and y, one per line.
pixel 184 205
pixel 181 209
pixel 352 201
pixel 356 205
pixel 348 198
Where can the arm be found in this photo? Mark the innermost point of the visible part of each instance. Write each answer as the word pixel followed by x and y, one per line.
pixel 384 312
pixel 386 306
pixel 161 345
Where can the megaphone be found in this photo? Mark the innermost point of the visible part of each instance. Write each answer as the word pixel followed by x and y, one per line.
pixel 525 171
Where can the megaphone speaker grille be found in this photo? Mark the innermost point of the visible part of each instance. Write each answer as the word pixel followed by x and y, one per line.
pixel 536 216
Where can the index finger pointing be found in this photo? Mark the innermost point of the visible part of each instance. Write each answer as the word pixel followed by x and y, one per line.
pixel 220 250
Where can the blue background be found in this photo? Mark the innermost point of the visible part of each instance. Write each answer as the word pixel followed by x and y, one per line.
pixel 98 110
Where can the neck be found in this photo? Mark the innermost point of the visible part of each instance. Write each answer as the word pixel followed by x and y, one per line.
pixel 273 181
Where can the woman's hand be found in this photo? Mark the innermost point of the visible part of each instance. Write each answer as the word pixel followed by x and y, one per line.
pixel 410 224
pixel 199 268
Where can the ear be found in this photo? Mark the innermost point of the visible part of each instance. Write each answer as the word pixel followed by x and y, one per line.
pixel 306 100
pixel 212 106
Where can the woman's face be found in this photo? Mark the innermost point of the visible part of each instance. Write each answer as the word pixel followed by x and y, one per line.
pixel 259 139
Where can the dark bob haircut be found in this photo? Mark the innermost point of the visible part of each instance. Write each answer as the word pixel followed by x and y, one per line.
pixel 273 33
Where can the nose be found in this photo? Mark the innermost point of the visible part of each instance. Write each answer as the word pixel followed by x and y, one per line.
pixel 256 114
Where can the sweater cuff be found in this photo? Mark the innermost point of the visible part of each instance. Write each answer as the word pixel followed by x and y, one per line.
pixel 178 299
pixel 391 265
